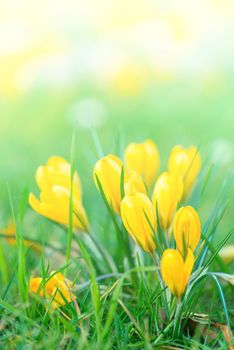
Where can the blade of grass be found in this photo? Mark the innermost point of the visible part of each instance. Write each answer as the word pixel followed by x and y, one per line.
pixel 70 224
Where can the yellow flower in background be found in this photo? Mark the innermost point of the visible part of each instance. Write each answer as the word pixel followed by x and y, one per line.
pixel 175 271
pixel 133 182
pixel 187 164
pixel 144 159
pixel 187 229
pixel 10 231
pixel 167 193
pixel 108 171
pixel 130 79
pixel 139 219
pixel 57 289
pixel 227 253
pixel 54 181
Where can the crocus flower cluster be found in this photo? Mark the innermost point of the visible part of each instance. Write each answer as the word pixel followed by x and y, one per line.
pixel 141 213
pixel 144 201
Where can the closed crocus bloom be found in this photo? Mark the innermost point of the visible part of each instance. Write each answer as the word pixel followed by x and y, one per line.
pixel 139 219
pixel 54 181
pixel 167 193
pixel 57 171
pixel 144 159
pixel 57 289
pixel 186 163
pixel 187 229
pixel 175 271
pixel 108 171
pixel 133 182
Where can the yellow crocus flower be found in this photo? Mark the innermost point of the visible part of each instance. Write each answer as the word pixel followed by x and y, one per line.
pixel 167 193
pixel 175 271
pixel 187 229
pixel 57 288
pixel 54 181
pixel 187 164
pixel 139 219
pixel 144 159
pixel 108 171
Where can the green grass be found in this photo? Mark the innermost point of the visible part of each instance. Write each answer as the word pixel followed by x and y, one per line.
pixel 121 304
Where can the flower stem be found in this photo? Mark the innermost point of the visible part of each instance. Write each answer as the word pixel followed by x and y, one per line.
pixel 107 258
pixel 177 318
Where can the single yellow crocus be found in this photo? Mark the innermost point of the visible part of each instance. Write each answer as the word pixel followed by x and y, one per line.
pixel 144 159
pixel 54 181
pixel 139 219
pixel 187 229
pixel 57 288
pixel 187 164
pixel 167 193
pixel 175 271
pixel 108 172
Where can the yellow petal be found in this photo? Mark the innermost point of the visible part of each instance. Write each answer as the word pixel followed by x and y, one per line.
pixel 34 284
pixel 188 265
pixel 134 183
pixel 187 228
pixel 172 270
pixel 187 164
pixel 144 159
pixel 166 196
pixel 108 170
pixel 139 219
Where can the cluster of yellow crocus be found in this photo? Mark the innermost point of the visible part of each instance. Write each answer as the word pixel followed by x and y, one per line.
pixel 54 181
pixel 126 186
pixel 135 209
pixel 56 289
pixel 140 169
pixel 138 210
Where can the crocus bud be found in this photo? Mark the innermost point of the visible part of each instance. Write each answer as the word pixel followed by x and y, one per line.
pixel 54 181
pixel 187 229
pixel 133 182
pixel 187 164
pixel 175 271
pixel 107 171
pixel 139 219
pixel 144 159
pixel 167 193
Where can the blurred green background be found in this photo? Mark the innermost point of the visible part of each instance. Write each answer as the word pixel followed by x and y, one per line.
pixel 128 70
